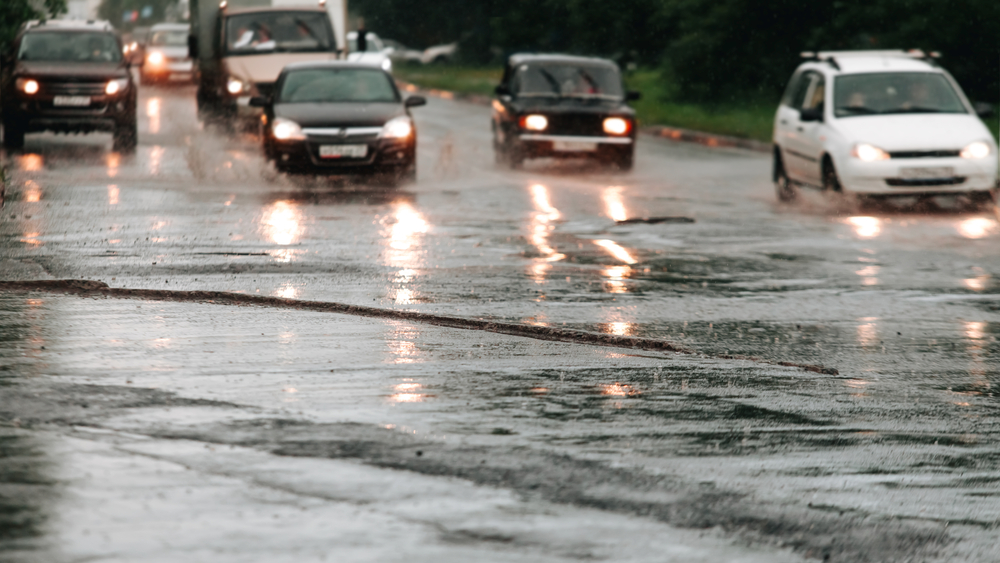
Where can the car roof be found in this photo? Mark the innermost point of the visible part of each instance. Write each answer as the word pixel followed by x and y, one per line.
pixel 333 64
pixel 171 26
pixel 236 11
pixel 35 26
pixel 521 58
pixel 852 62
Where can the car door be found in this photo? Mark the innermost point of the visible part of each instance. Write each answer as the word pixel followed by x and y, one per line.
pixel 503 114
pixel 798 152
pixel 787 121
pixel 812 134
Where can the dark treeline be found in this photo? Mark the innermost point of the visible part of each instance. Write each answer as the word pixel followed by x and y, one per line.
pixel 709 49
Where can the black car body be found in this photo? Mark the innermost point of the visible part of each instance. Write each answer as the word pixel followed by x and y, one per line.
pixel 339 118
pixel 67 76
pixel 563 106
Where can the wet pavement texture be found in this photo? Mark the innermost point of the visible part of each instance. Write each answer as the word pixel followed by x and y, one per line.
pixel 214 431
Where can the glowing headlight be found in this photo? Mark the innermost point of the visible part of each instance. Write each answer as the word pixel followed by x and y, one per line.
pixel 616 126
pixel 397 128
pixel 155 58
pixel 234 86
pixel 868 153
pixel 27 86
pixel 286 130
pixel 386 65
pixel 115 86
pixel 979 149
pixel 534 122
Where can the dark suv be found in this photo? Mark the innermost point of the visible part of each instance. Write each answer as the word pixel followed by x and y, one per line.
pixel 67 76
pixel 563 106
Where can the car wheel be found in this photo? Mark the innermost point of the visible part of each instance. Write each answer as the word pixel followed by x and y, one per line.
pixel 626 160
pixel 782 185
pixel 831 183
pixel 984 199
pixel 514 157
pixel 13 135
pixel 126 136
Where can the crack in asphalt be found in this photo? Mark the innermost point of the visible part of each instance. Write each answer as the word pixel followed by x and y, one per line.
pixel 93 287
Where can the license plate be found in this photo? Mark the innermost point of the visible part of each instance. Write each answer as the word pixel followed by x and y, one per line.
pixel 573 146
pixel 928 173
pixel 73 101
pixel 343 151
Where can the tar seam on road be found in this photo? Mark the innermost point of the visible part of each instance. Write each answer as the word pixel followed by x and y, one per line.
pixel 92 287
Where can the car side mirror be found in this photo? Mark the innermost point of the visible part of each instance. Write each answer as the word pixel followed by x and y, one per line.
pixel 502 90
pixel 983 109
pixel 633 96
pixel 414 101
pixel 193 46
pixel 258 101
pixel 812 114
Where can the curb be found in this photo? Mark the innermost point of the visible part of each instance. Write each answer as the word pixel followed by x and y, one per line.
pixel 662 131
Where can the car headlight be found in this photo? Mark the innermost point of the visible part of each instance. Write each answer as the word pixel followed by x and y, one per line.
pixel 155 58
pixel 979 149
pixel 868 153
pixel 115 86
pixel 287 130
pixel 397 128
pixel 534 122
pixel 27 85
pixel 617 126
pixel 235 86
pixel 387 64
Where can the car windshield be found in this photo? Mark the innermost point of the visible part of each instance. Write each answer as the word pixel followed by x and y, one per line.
pixel 79 47
pixel 171 38
pixel 895 92
pixel 335 85
pixel 278 31
pixel 567 80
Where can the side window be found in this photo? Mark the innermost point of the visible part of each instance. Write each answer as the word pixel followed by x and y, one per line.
pixel 816 94
pixel 790 90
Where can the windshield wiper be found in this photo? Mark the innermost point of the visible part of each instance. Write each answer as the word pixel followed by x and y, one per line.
pixel 915 110
pixel 551 80
pixel 859 109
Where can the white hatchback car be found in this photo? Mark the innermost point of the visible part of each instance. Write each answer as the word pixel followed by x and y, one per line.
pixel 880 123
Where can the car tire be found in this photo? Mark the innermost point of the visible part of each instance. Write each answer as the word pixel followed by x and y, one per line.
pixel 831 182
pixel 783 187
pixel 13 134
pixel 625 161
pixel 514 157
pixel 126 136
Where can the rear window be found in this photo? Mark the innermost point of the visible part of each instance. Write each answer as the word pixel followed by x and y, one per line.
pixel 70 46
pixel 895 92
pixel 332 85
pixel 169 38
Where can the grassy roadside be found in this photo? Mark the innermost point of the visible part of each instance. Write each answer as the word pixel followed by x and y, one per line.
pixel 752 120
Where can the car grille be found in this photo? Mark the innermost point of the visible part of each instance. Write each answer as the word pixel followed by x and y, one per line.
pixel 74 88
pixel 575 124
pixel 907 183
pixel 924 154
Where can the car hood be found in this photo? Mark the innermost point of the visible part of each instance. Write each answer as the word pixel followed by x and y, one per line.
pixel 172 51
pixel 340 115
pixel 266 67
pixel 914 131
pixel 571 105
pixel 71 71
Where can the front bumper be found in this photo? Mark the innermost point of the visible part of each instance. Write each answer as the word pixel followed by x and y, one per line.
pixel 888 177
pixel 184 68
pixel 383 155
pixel 39 113
pixel 540 145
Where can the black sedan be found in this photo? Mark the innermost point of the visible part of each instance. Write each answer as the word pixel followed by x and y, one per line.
pixel 563 106
pixel 340 118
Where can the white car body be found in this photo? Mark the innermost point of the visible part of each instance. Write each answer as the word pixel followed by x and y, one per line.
pixel 167 61
pixel 375 53
pixel 917 153
pixel 439 53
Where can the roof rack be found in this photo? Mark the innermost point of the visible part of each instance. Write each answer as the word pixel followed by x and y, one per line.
pixel 831 57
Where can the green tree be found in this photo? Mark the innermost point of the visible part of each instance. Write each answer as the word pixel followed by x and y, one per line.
pixel 15 12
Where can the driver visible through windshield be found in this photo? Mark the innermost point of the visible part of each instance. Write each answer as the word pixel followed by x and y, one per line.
pixel 337 85
pixel 79 47
pixel 252 33
pixel 567 80
pixel 895 92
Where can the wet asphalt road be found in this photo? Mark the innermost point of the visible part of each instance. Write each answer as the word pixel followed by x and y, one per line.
pixel 223 433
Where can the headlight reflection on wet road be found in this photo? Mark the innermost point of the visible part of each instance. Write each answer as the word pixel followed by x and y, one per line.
pixel 32 191
pixel 542 225
pixel 616 250
pixel 977 227
pixel 405 237
pixel 614 205
pixel 282 224
pixel 866 227
pixel 153 113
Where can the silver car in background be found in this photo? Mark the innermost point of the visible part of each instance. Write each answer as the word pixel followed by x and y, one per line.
pixel 166 56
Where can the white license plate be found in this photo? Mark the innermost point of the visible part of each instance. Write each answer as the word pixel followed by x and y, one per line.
pixel 928 173
pixel 72 101
pixel 573 146
pixel 343 151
